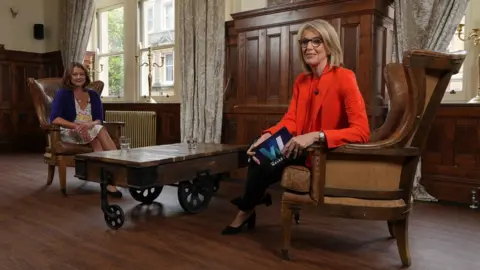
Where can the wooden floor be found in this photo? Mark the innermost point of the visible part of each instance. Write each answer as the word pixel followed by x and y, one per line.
pixel 41 229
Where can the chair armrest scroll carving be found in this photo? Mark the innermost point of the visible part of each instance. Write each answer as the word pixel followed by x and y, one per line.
pixel 50 127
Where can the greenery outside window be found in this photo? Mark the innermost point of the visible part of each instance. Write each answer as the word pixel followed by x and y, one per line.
pixel 110 51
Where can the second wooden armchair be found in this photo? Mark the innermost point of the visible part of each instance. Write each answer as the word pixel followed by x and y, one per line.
pixel 375 180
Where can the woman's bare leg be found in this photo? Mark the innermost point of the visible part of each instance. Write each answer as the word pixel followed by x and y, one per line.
pixel 97 147
pixel 106 140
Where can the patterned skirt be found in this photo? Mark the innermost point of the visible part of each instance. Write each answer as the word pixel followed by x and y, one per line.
pixel 71 136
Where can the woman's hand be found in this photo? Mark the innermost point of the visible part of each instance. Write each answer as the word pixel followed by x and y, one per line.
pixel 82 129
pixel 251 153
pixel 299 143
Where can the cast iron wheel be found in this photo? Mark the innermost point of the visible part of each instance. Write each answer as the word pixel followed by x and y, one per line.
pixel 194 196
pixel 146 195
pixel 115 222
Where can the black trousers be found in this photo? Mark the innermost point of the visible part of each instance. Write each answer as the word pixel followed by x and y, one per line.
pixel 259 178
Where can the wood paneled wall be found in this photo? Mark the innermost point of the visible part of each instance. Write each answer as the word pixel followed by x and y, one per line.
pixel 262 61
pixel 168 118
pixel 19 127
pixel 451 160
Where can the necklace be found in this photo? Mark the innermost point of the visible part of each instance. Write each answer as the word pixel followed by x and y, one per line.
pixel 80 100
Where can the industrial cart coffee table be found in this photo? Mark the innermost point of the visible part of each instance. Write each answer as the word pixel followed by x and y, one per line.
pixel 144 171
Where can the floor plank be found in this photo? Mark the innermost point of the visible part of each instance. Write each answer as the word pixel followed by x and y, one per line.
pixel 41 229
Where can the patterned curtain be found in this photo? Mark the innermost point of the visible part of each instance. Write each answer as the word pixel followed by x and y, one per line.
pixel 430 25
pixel 201 51
pixel 77 18
pixel 426 24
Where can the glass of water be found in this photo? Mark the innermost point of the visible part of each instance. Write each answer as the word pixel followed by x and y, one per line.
pixel 124 143
pixel 192 143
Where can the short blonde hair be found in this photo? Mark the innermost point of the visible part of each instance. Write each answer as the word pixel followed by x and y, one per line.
pixel 331 42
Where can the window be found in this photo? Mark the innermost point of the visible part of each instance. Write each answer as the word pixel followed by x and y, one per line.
pixel 456 82
pixel 168 16
pixel 157 47
pixel 110 63
pixel 119 25
pixel 168 68
pixel 150 20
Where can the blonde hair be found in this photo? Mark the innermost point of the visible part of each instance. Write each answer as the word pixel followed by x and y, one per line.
pixel 331 42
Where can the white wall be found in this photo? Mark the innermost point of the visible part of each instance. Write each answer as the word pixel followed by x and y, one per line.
pixel 52 24
pixel 17 33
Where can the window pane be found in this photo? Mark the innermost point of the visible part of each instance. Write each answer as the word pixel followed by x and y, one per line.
pixel 112 74
pixel 150 19
pixel 169 68
pixel 162 77
pixel 162 22
pixel 111 30
pixel 456 83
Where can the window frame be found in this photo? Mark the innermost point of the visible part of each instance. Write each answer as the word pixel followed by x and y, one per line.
pixel 166 3
pixel 97 36
pixel 172 66
pixel 142 35
pixel 132 50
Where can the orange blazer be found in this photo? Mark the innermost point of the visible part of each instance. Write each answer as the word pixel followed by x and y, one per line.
pixel 332 104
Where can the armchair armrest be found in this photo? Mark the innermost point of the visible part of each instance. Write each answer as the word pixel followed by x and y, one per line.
pixel 50 127
pixel 403 152
pixel 53 135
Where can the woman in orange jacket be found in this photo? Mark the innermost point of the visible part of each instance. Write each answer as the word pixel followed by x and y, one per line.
pixel 326 107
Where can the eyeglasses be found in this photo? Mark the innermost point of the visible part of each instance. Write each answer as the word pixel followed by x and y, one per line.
pixel 315 42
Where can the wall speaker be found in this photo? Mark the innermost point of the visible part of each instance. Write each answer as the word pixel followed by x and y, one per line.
pixel 38 31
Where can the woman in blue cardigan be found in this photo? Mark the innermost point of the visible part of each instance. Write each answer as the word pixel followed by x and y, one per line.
pixel 79 113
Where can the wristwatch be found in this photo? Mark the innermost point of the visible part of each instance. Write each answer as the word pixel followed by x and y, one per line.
pixel 321 137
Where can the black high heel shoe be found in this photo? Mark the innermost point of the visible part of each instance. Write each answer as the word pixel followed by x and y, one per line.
pixel 267 200
pixel 249 222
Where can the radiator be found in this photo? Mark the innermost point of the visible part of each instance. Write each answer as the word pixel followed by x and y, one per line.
pixel 140 126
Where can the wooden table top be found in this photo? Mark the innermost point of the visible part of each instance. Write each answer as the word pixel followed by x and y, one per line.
pixel 160 154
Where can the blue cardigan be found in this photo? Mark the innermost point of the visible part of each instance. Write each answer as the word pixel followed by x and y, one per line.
pixel 63 106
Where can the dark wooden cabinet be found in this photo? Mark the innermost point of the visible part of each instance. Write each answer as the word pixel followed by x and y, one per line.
pixel 451 159
pixel 19 126
pixel 262 62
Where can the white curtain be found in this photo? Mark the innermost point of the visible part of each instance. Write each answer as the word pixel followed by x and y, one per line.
pixel 77 18
pixel 201 51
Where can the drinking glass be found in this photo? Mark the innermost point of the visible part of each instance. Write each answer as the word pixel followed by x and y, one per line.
pixel 192 143
pixel 124 143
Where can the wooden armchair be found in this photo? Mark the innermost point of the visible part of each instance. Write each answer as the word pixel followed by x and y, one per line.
pixel 58 153
pixel 374 180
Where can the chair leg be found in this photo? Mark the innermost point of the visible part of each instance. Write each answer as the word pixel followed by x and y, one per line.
pixel 391 224
pixel 400 230
pixel 62 176
pixel 51 174
pixel 287 214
